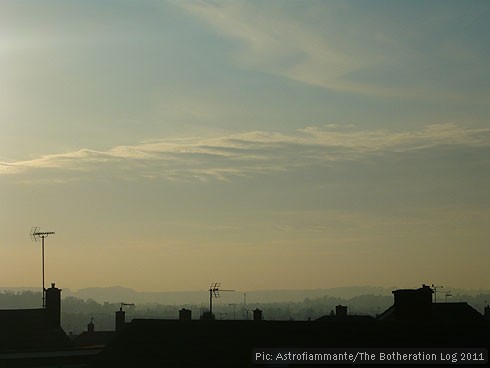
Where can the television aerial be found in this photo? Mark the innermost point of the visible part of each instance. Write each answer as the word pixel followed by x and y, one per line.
pixel 214 290
pixel 434 287
pixel 37 234
pixel 125 305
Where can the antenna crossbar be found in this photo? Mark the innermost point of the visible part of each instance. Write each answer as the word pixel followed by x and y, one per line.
pixel 214 290
pixel 125 304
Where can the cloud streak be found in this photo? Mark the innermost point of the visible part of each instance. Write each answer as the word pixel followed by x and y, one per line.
pixel 248 153
pixel 276 43
pixel 320 46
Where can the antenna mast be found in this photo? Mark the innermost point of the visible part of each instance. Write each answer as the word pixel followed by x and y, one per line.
pixel 234 309
pixel 434 287
pixel 214 293
pixel 36 234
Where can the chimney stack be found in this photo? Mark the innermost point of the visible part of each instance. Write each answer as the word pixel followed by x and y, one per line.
pixel 53 306
pixel 341 311
pixel 413 304
pixel 185 314
pixel 120 320
pixel 91 326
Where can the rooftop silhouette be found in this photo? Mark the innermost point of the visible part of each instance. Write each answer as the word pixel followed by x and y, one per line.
pixel 413 320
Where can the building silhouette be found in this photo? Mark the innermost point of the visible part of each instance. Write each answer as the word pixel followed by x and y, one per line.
pixel 33 337
pixel 34 328
pixel 413 321
pixel 416 305
pixel 93 338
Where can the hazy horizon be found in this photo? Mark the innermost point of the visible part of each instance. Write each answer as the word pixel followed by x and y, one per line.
pixel 353 290
pixel 118 294
pixel 263 145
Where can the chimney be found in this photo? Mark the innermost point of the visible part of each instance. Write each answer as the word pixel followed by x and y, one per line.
pixel 341 311
pixel 257 314
pixel 120 320
pixel 185 314
pixel 411 305
pixel 53 306
pixel 91 326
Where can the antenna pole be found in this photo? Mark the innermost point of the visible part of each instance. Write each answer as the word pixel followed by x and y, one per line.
pixel 245 305
pixel 44 289
pixel 35 235
pixel 434 287
pixel 234 310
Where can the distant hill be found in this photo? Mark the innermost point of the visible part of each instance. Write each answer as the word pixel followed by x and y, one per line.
pixel 20 288
pixel 116 294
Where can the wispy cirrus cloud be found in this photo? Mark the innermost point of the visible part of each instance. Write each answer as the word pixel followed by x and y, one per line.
pixel 276 43
pixel 331 46
pixel 248 153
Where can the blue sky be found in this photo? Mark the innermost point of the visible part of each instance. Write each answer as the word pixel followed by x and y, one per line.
pixel 277 144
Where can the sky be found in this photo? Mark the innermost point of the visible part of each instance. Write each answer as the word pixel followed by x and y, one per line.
pixel 260 144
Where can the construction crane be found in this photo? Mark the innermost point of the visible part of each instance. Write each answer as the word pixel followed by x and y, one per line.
pixel 214 290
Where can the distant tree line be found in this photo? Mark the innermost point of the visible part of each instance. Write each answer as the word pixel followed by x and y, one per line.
pixel 20 299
